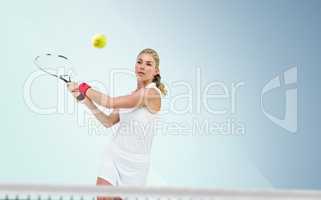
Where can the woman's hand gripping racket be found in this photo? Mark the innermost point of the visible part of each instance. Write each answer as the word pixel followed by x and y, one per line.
pixel 51 60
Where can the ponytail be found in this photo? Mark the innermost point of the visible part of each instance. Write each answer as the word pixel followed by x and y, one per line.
pixel 159 84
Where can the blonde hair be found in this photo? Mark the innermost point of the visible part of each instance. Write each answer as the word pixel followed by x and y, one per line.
pixel 157 78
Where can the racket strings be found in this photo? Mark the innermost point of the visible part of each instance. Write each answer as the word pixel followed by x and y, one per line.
pixel 55 59
pixel 43 62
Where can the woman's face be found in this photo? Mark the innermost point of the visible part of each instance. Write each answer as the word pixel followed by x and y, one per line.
pixel 145 68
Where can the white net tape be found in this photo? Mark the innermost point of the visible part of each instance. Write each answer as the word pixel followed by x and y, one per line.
pixel 61 192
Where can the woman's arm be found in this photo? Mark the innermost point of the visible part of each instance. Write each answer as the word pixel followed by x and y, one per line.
pixel 141 97
pixel 135 99
pixel 106 120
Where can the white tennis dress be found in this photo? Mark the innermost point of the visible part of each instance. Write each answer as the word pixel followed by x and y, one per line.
pixel 126 159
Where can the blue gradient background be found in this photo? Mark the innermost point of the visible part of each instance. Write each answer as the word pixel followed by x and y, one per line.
pixel 230 41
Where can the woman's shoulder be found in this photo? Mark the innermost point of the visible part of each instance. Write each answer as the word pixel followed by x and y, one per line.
pixel 153 97
pixel 152 87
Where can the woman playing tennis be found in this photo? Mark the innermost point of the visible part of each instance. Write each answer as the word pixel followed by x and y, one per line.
pixel 127 157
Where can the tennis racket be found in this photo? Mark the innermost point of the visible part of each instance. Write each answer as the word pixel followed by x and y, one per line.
pixel 48 60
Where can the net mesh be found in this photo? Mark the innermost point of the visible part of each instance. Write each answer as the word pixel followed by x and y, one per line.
pixel 63 192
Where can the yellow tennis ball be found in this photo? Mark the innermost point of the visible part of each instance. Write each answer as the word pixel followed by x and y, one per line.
pixel 99 41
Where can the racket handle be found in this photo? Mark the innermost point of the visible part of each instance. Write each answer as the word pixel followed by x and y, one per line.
pixel 80 97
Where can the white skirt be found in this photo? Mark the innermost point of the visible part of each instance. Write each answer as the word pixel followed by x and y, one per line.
pixel 122 168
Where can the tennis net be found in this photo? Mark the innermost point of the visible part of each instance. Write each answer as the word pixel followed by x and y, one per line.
pixel 68 192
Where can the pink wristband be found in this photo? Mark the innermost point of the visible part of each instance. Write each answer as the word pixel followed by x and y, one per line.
pixel 83 87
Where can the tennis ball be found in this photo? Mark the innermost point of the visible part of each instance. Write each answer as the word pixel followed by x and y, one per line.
pixel 99 41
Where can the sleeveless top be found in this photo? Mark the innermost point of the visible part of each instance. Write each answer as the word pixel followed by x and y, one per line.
pixel 137 127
